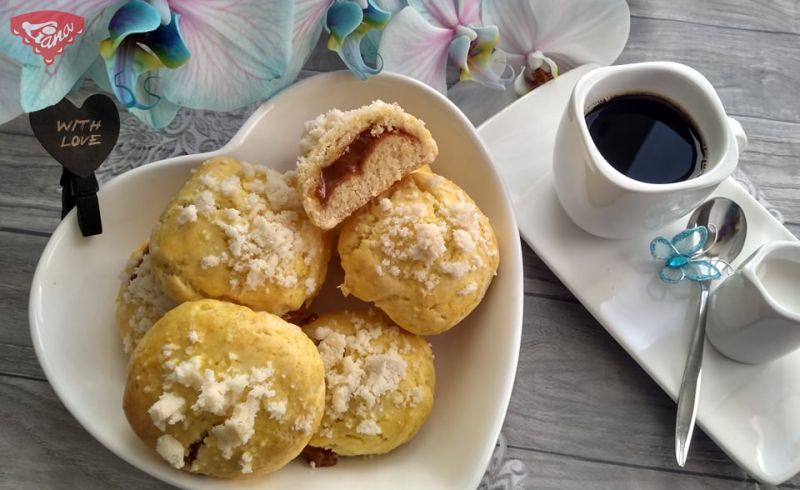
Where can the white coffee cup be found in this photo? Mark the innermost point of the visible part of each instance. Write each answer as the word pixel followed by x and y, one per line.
pixel 607 203
pixel 754 316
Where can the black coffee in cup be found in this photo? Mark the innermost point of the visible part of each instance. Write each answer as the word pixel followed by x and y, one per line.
pixel 646 138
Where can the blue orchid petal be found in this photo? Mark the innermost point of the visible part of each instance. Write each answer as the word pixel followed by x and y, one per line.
pixel 343 19
pixel 350 53
pixel 369 47
pixel 9 90
pixel 701 270
pixel 662 249
pixel 670 275
pixel 346 39
pixel 135 17
pixel 159 116
pixel 44 85
pixel 690 241
pixel 372 39
pixel 141 43
pixel 167 43
pixel 97 72
pixel 124 67
pixel 308 25
pixel 162 7
pixel 391 6
pixel 239 48
pixel 376 17
pixel 458 51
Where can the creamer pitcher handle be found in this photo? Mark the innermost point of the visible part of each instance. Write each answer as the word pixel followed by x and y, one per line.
pixel 738 133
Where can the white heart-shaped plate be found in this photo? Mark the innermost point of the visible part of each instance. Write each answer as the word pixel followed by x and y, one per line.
pixel 73 292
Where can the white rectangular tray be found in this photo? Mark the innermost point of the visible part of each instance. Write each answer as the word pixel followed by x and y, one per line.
pixel 751 412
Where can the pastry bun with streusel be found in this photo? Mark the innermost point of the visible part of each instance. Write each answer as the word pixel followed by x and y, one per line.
pixel 238 232
pixel 348 158
pixel 140 302
pixel 379 381
pixel 221 390
pixel 423 253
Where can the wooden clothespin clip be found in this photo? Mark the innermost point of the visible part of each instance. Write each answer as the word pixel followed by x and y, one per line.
pixel 81 192
pixel 80 139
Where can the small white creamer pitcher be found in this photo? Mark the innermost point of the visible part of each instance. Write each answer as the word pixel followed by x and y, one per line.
pixel 754 316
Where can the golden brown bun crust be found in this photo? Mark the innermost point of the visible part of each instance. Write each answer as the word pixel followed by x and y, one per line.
pixel 140 302
pixel 221 390
pixel 238 232
pixel 423 253
pixel 380 382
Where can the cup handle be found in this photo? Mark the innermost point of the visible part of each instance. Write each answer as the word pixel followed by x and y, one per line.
pixel 738 133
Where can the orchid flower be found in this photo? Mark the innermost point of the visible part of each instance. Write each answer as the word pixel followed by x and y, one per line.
pixel 348 22
pixel 424 36
pixel 371 41
pixel 542 38
pixel 145 36
pixel 161 54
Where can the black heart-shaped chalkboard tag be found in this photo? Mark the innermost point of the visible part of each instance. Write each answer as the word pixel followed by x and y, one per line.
pixel 79 138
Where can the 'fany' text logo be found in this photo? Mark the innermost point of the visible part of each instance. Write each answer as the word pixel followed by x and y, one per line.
pixel 48 32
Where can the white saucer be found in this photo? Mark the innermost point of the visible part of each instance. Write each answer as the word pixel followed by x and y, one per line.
pixel 751 412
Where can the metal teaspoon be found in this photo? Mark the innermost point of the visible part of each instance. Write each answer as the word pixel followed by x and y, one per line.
pixel 727 219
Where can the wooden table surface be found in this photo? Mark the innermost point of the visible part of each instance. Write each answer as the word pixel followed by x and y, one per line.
pixel 583 414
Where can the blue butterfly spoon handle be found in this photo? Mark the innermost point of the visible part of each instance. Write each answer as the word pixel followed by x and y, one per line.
pixel 690 384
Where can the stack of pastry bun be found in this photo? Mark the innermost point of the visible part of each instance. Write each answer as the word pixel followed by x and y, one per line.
pixel 230 372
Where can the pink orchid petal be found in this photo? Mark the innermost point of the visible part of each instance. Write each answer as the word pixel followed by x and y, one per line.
pixel 486 73
pixel 469 12
pixel 308 23
pixel 413 47
pixel 44 85
pixel 571 32
pixel 516 22
pixel 584 32
pixel 441 13
pixel 238 47
pixel 9 90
